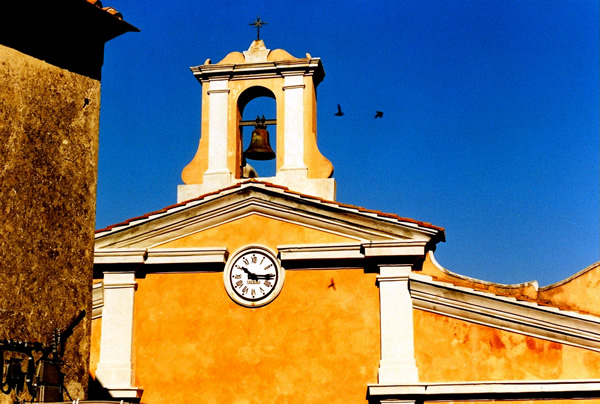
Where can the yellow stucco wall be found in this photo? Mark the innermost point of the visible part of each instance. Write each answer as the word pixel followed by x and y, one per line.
pixel 578 293
pixel 448 349
pixel 255 229
pixel 312 344
pixel 95 350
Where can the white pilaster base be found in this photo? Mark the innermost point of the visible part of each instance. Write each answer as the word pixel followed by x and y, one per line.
pixel 217 179
pixel 297 180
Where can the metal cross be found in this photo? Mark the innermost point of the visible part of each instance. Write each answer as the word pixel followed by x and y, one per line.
pixel 258 23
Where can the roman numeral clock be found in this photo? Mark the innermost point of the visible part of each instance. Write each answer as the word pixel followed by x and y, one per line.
pixel 253 276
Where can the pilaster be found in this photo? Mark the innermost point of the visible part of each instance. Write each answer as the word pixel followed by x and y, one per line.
pixel 218 172
pixel 398 363
pixel 293 159
pixel 115 366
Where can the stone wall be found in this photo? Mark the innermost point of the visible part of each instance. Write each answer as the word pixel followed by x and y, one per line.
pixel 48 157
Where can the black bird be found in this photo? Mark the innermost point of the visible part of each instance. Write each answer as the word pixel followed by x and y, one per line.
pixel 378 114
pixel 339 113
pixel 332 284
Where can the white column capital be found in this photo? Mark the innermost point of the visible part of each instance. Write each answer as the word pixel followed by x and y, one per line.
pixel 394 273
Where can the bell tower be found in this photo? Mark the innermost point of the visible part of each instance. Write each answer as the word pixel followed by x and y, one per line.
pixel 227 87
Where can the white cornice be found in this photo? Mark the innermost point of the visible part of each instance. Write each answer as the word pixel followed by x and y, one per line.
pixel 505 313
pixel 120 256
pixel 486 390
pixel 341 220
pixel 205 255
pixel 320 251
pixel 187 255
pixel 396 248
pixel 357 250
pixel 259 70
pixel 273 197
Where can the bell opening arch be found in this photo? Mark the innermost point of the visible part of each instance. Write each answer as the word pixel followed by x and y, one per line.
pixel 256 102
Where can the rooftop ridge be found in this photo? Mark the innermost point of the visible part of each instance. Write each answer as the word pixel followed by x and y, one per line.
pixel 271 186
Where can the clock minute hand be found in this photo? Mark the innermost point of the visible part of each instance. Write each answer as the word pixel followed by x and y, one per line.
pixel 267 276
pixel 252 276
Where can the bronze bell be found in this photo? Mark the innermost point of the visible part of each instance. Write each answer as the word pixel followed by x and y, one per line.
pixel 260 148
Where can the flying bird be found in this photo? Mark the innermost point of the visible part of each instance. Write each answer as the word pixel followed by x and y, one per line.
pixel 339 113
pixel 378 114
pixel 332 284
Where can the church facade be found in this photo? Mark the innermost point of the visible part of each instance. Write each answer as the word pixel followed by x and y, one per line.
pixel 267 290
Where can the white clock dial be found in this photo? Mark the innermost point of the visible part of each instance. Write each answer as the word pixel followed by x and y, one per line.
pixel 253 277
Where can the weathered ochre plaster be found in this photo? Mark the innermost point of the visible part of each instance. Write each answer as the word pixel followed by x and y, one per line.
pixel 448 349
pixel 95 350
pixel 577 293
pixel 318 165
pixel 273 56
pixel 255 229
pixel 48 153
pixel 313 343
pixel 193 173
pixel 525 291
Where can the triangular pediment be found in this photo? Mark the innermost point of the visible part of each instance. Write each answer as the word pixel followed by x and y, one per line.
pixel 276 206
pixel 298 226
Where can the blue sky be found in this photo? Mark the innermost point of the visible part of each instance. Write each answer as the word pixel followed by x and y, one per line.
pixel 490 125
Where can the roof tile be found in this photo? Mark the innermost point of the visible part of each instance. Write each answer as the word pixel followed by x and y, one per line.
pixel 285 190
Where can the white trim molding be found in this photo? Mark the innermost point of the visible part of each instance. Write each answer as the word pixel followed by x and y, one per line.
pixel 110 257
pixel 394 248
pixel 485 390
pixel 320 251
pixel 187 255
pixel 120 256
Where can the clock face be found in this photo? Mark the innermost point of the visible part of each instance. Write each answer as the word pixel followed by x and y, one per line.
pixel 253 277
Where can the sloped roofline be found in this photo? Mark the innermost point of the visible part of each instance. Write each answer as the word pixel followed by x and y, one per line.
pixel 274 187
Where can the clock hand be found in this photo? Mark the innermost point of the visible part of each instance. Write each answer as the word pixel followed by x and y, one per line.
pixel 267 276
pixel 252 276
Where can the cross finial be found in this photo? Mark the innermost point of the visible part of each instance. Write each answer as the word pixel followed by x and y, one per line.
pixel 258 23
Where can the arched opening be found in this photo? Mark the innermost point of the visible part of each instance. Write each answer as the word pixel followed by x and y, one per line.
pixel 252 103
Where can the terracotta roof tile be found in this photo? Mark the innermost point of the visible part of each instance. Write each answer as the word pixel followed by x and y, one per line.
pixel 114 12
pixel 110 10
pixel 285 190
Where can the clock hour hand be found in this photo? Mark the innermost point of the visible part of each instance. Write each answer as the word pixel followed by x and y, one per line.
pixel 267 276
